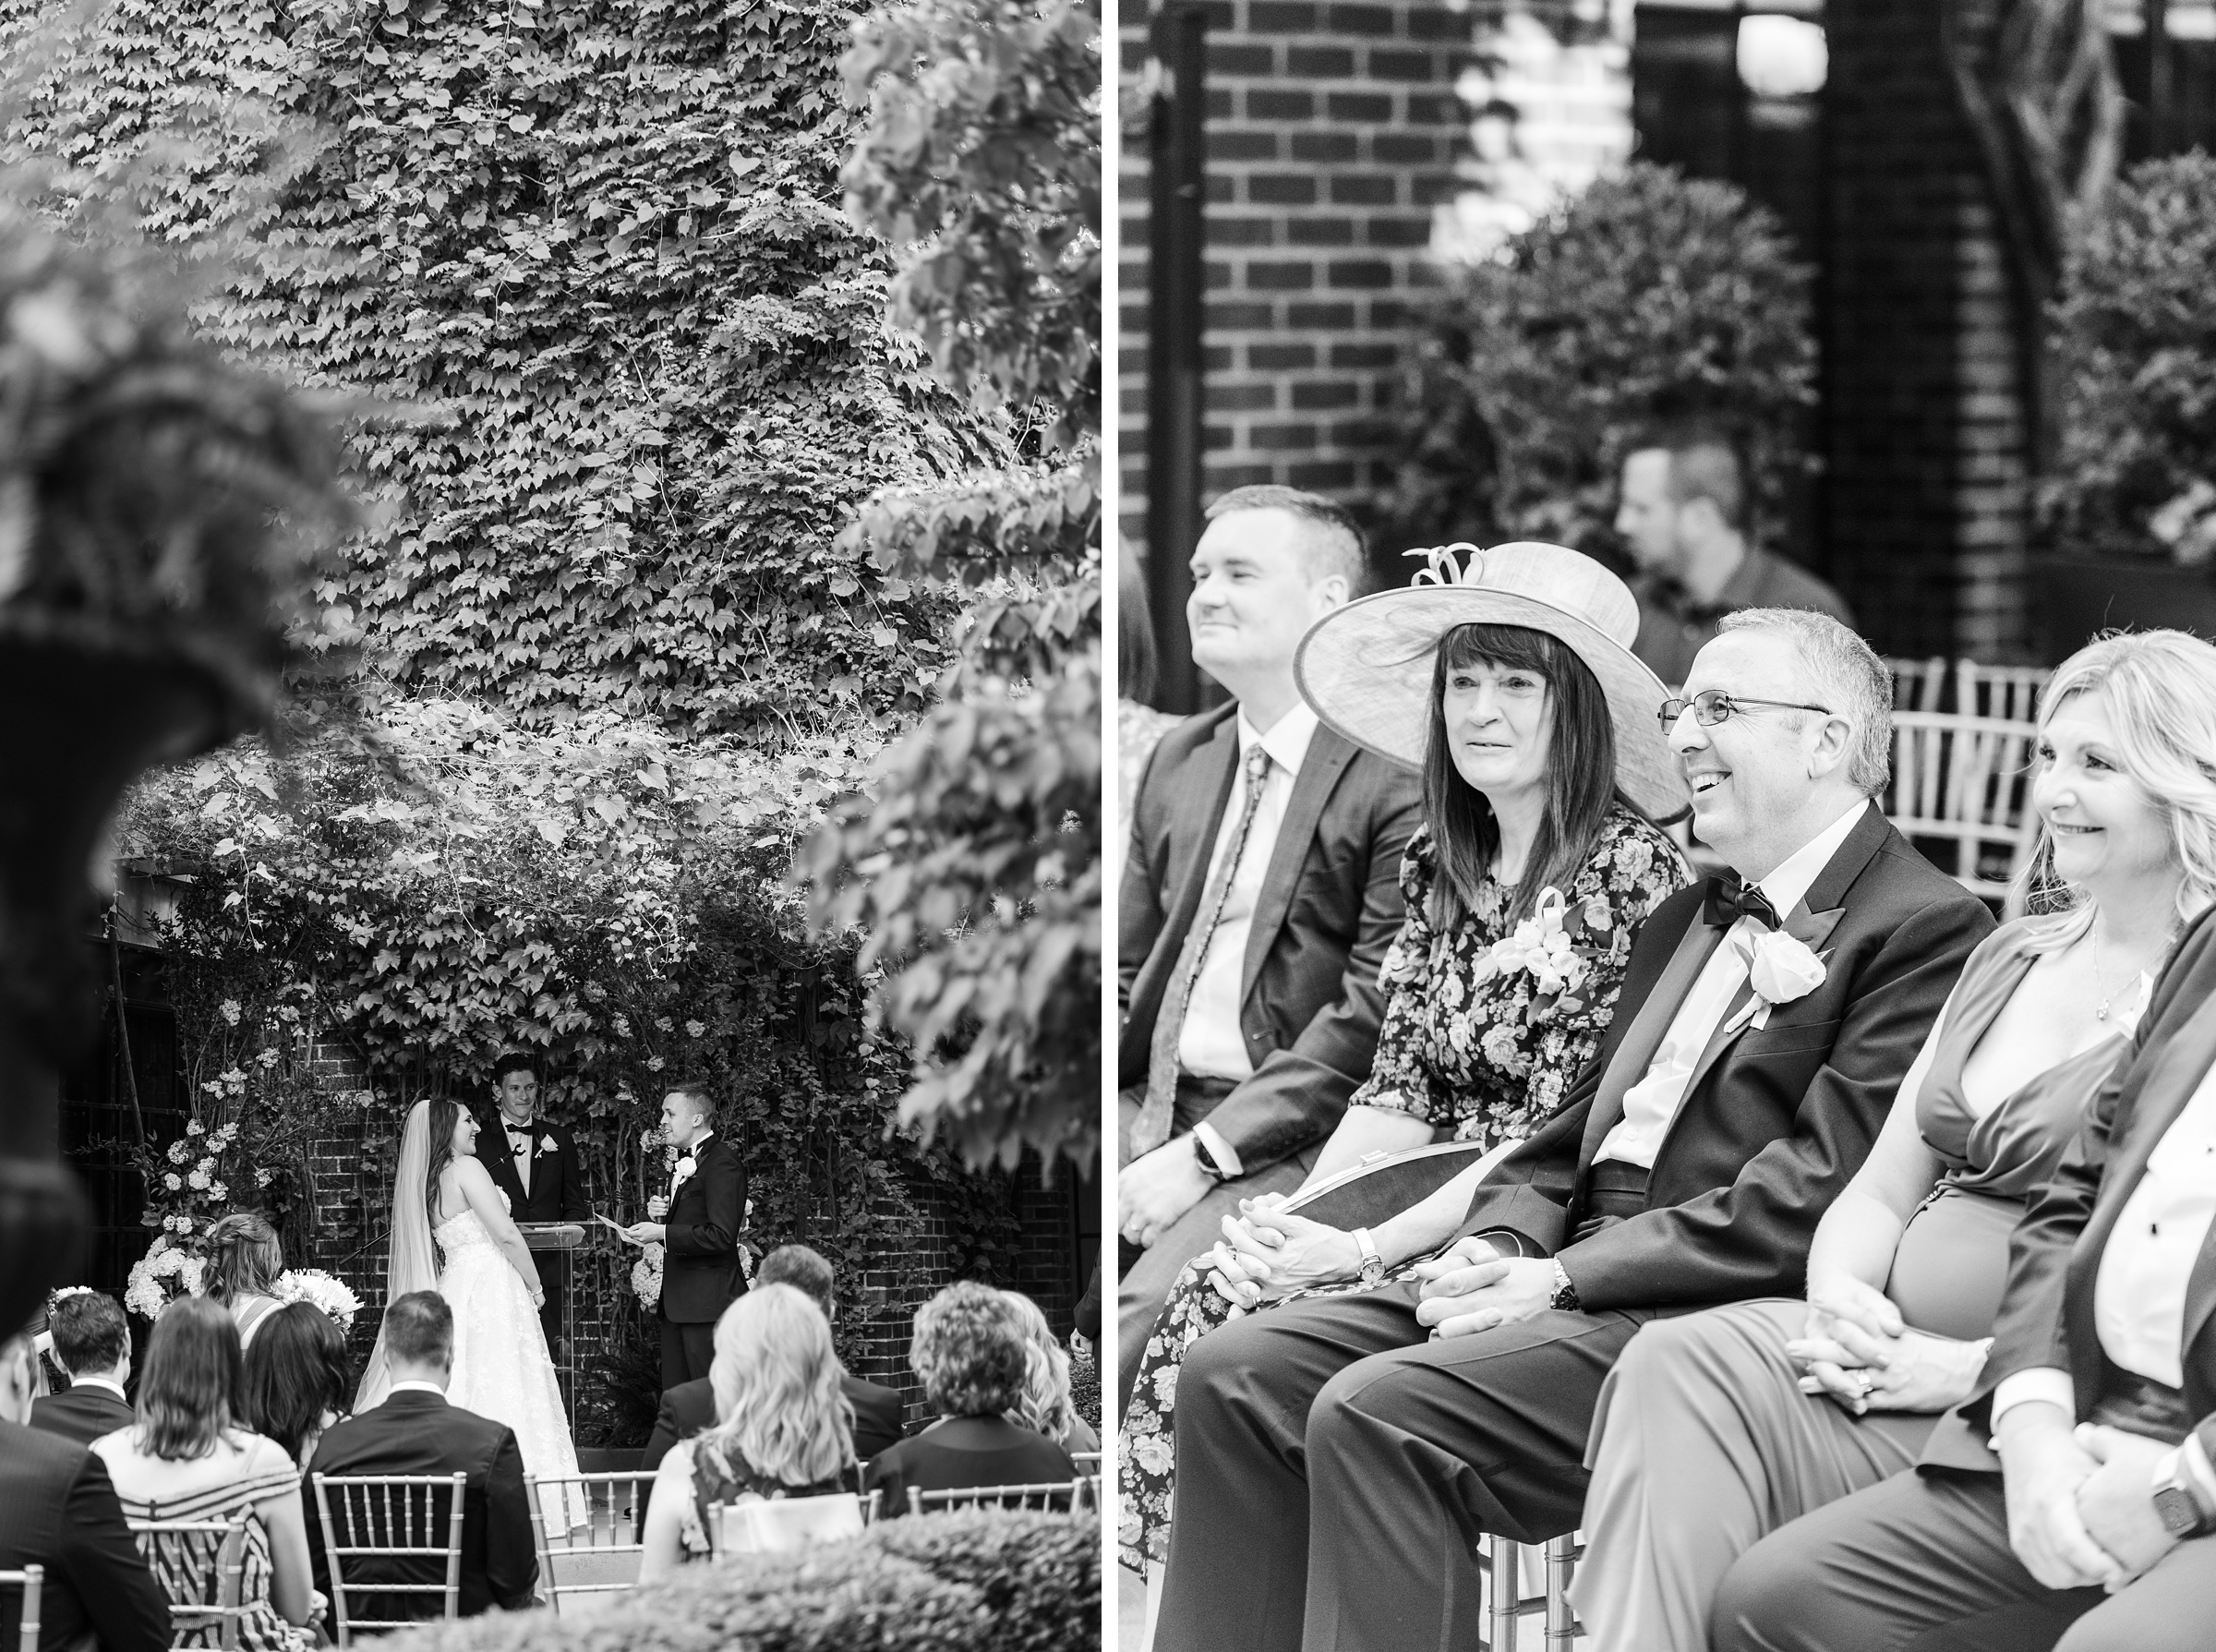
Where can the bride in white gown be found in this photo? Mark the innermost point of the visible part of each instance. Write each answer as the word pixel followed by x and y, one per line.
pixel 444 1204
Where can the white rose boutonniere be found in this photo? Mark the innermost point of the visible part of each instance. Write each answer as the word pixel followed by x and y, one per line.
pixel 1780 970
pixel 546 1144
pixel 683 1173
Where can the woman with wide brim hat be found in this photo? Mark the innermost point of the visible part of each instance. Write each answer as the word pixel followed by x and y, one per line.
pixel 1507 679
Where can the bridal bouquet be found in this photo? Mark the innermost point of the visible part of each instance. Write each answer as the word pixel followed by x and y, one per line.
pixel 646 1275
pixel 319 1290
pixel 168 1270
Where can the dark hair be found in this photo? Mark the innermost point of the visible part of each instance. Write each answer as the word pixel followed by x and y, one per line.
pixel 1581 773
pixel 440 1115
pixel 800 1267
pixel 243 1257
pixel 697 1091
pixel 513 1062
pixel 1136 660
pixel 90 1333
pixel 972 1352
pixel 1335 545
pixel 1704 463
pixel 296 1371
pixel 419 1329
pixel 188 1393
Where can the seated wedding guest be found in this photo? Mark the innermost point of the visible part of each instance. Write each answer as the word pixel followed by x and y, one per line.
pixel 969 1349
pixel 1338 1457
pixel 92 1344
pixel 58 1509
pixel 1539 750
pixel 1257 905
pixel 1682 513
pixel 244 1260
pixel 1045 1409
pixel 297 1379
pixel 690 1407
pixel 2071 1502
pixel 190 1456
pixel 414 1430
pixel 783 1428
pixel 1718 1427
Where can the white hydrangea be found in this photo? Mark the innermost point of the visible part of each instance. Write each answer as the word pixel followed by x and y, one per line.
pixel 646 1275
pixel 229 1007
pixel 198 1180
pixel 177 1152
pixel 173 1181
pixel 696 1029
pixel 218 1190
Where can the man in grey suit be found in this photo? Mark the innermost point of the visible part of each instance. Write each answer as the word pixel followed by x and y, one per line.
pixel 1259 899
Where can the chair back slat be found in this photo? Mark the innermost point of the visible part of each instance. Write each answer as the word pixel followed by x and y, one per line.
pixel 1918 684
pixel 1964 782
pixel 31 1580
pixel 1041 1495
pixel 2007 693
pixel 369 1523
pixel 600 1556
pixel 208 1557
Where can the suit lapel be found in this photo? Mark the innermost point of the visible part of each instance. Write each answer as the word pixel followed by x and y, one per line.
pixel 1326 759
pixel 1812 929
pixel 1203 788
pixel 1635 1053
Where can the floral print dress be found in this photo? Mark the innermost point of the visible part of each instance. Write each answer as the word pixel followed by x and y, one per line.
pixel 1486 1027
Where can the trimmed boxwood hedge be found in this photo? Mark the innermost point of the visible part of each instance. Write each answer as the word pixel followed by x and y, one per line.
pixel 974 1581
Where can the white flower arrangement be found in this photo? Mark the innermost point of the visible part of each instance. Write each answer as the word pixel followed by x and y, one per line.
pixel 168 1272
pixel 319 1290
pixel 646 1275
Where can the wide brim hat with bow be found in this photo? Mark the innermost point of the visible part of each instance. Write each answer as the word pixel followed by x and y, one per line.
pixel 1367 667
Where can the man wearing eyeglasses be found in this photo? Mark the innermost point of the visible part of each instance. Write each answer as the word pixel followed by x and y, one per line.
pixel 1337 1455
pixel 1681 513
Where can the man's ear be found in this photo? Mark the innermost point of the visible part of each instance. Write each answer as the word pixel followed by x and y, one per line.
pixel 1330 591
pixel 1831 748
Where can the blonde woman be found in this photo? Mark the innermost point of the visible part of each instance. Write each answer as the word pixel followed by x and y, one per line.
pixel 1045 1407
pixel 784 1426
pixel 1718 1429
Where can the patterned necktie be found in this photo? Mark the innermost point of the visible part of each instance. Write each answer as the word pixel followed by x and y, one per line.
pixel 1152 1128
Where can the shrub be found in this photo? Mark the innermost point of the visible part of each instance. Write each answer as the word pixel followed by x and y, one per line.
pixel 964 1583
pixel 2135 341
pixel 1650 296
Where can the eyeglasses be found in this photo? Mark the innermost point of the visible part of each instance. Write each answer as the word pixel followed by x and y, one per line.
pixel 1713 705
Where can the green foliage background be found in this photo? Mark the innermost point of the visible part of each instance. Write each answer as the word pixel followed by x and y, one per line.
pixel 1650 296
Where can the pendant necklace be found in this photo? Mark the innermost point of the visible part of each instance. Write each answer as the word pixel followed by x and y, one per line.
pixel 2100 975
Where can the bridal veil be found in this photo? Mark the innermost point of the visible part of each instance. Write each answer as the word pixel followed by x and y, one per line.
pixel 414 1264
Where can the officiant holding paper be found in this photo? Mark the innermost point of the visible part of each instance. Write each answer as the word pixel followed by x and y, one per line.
pixel 534 1161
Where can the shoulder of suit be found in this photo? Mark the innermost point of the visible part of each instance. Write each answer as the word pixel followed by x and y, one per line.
pixel 1907 877
pixel 29 1453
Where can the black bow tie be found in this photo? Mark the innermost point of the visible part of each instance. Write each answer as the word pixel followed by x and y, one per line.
pixel 519 1140
pixel 1729 900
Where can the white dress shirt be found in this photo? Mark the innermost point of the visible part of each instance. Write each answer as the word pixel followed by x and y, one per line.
pixel 417 1385
pixel 1651 1104
pixel 522 1159
pixel 109 1383
pixel 1211 1044
pixel 2139 1291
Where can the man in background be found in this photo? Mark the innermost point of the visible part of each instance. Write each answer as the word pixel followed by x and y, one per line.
pixel 92 1344
pixel 534 1161
pixel 1258 901
pixel 698 1228
pixel 1683 515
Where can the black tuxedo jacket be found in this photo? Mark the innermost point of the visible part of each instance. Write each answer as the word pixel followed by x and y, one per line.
pixel 2046 1318
pixel 690 1407
pixel 700 1266
pixel 415 1432
pixel 82 1414
pixel 1774 1122
pixel 58 1509
pixel 1330 904
pixel 557 1181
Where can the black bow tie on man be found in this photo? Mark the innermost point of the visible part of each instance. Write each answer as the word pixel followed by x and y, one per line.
pixel 1729 899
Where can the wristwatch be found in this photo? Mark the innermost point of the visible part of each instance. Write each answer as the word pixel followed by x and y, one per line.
pixel 1565 1292
pixel 2177 1497
pixel 1207 1161
pixel 1373 1264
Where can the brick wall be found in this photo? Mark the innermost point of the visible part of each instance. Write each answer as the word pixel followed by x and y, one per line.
pixel 1926 459
pixel 1332 135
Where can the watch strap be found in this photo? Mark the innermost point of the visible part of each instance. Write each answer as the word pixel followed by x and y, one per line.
pixel 1205 1160
pixel 1373 1260
pixel 1565 1290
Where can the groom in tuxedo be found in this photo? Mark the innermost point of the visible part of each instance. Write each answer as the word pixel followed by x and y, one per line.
pixel 1338 1458
pixel 699 1229
pixel 534 1161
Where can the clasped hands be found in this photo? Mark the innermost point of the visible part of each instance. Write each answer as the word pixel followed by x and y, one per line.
pixel 2080 1501
pixel 1857 1351
pixel 1268 1252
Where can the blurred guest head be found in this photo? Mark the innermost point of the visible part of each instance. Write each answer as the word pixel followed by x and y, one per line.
pixel 778 1403
pixel 188 1393
pixel 91 1338
pixel 969 1349
pixel 1767 777
pixel 19 1378
pixel 1044 1407
pixel 1681 509
pixel 1271 562
pixel 297 1378
pixel 2123 781
pixel 419 1338
pixel 1135 649
pixel 243 1257
pixel 802 1269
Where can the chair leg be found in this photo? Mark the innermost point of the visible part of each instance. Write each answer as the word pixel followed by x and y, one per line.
pixel 1561 1621
pixel 1507 1589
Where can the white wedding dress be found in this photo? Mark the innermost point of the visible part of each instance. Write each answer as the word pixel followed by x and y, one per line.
pixel 501 1368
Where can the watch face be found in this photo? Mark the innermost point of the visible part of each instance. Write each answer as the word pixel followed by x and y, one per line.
pixel 2179 1512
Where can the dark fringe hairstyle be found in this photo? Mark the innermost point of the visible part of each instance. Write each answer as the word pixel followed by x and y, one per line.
pixel 1581 773
pixel 188 1393
pixel 296 1371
